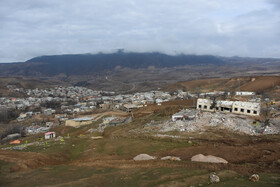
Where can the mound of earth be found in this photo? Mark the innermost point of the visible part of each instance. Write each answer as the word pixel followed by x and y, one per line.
pixel 209 158
pixel 144 157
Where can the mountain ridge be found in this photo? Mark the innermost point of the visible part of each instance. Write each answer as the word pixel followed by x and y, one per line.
pixel 92 64
pixel 82 64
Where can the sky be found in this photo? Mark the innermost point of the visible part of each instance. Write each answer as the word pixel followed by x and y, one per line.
pixel 33 28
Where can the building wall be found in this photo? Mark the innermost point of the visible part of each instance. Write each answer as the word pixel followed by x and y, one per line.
pixel 237 107
pixel 176 116
pixel 246 108
pixel 49 136
pixel 245 93
pixel 204 104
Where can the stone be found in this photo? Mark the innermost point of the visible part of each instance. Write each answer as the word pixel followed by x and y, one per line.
pixel 20 147
pixel 209 158
pixel 143 157
pixel 214 178
pixel 255 178
pixel 59 138
pixel 173 158
pixel 96 137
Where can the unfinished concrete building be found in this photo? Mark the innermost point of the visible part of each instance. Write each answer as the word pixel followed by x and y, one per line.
pixel 237 107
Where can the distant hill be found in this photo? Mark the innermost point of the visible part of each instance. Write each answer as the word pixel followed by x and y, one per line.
pixel 102 63
pixel 84 64
pixel 254 84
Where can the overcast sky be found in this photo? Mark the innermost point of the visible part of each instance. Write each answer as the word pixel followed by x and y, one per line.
pixel 32 28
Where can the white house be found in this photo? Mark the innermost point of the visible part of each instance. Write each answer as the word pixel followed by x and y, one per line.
pixel 49 135
pixel 245 93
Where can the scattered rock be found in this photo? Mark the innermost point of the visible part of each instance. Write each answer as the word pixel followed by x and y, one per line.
pixel 144 157
pixel 96 137
pixel 267 152
pixel 20 147
pixel 255 178
pixel 201 122
pixel 171 158
pixel 214 178
pixel 59 138
pixel 209 158
pixel 92 130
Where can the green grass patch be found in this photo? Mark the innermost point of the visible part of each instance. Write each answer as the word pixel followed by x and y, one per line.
pixel 64 175
pixel 4 167
pixel 133 146
pixel 70 147
pixel 266 179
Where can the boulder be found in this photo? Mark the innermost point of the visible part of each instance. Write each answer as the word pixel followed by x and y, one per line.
pixel 255 178
pixel 144 157
pixel 96 137
pixel 58 138
pixel 209 158
pixel 214 178
pixel 171 158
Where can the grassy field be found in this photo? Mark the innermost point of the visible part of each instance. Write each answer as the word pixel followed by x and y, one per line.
pixel 79 160
pixel 67 175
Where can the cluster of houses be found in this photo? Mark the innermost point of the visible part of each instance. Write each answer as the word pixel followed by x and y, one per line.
pixel 73 100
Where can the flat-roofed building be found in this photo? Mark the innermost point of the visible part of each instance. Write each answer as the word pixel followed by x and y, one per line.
pixel 237 107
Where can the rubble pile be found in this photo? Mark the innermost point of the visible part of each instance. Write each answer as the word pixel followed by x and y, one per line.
pixel 272 129
pixel 203 120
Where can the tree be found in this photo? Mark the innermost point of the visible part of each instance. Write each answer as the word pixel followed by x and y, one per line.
pixel 213 104
pixel 225 94
pixel 197 91
pixel 266 112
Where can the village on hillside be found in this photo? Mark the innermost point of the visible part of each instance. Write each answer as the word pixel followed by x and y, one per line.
pixel 44 109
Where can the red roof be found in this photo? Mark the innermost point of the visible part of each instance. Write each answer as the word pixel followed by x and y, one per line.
pixel 15 142
pixel 49 133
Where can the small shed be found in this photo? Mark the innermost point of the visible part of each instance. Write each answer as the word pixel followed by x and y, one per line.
pixel 49 135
